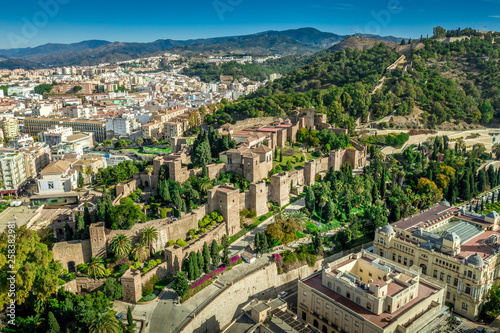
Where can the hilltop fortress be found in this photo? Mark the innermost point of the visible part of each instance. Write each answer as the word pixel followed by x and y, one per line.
pixel 252 159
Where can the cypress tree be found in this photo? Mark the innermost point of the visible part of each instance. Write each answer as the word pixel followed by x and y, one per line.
pixel 257 242
pixel 206 258
pixel 87 218
pixel 53 324
pixel 201 261
pixel 214 253
pixel 310 200
pixel 264 243
pixel 196 267
pixel 130 319
pixel 191 271
pixel 281 155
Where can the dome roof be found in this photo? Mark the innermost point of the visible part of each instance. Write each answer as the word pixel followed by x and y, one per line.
pixel 452 237
pixel 445 203
pixel 427 245
pixel 493 214
pixel 387 229
pixel 476 260
pixel 419 232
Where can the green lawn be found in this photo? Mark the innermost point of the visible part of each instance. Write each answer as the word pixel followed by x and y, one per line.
pixel 297 164
pixel 159 150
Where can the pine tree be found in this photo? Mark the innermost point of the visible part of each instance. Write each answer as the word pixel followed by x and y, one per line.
pixel 206 258
pixel 53 324
pixel 214 253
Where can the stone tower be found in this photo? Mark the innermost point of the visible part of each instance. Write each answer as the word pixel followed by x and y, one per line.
pixel 280 189
pixel 132 285
pixel 258 197
pixel 98 240
pixel 310 172
pixel 226 199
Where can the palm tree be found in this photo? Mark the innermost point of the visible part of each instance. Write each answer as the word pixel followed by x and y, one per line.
pixel 121 245
pixel 31 323
pixel 88 171
pixel 104 323
pixel 148 236
pixel 149 170
pixel 95 267
pixel 140 251
pixel 204 185
pixel 478 149
pixel 460 144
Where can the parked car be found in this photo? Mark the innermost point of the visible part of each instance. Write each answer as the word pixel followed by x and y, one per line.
pixel 119 316
pixel 283 294
pixel 480 329
pixel 458 321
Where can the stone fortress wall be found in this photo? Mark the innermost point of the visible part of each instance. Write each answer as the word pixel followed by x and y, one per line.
pixel 253 163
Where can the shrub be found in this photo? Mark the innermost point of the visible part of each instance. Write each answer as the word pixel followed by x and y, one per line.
pixel 192 232
pixel 137 264
pixel 181 242
pixel 170 242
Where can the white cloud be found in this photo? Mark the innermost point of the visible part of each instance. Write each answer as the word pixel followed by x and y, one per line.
pixel 494 16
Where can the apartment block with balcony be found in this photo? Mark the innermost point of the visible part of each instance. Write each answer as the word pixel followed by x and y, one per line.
pixel 12 172
pixel 364 293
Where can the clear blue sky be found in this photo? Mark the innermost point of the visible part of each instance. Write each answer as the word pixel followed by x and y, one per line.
pixel 146 21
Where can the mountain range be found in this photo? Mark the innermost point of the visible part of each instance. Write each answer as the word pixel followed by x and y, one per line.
pixel 92 52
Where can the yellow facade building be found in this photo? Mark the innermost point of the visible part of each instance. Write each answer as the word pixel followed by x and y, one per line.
pixel 364 293
pixel 449 245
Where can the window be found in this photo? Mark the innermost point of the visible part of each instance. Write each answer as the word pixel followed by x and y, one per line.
pixel 330 285
pixel 399 259
pixel 369 274
pixel 467 289
pixel 448 295
pixel 464 306
pixel 441 276
pixel 394 257
pixel 448 279
pixel 455 282
pixel 411 262
pixel 358 300
pixel 361 270
pixel 304 315
pixel 305 294
pixel 435 274
pixel 348 295
pixel 368 306
pixel 405 261
pixel 339 290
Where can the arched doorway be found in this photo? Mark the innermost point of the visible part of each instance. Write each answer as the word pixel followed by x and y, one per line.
pixel 424 268
pixel 315 323
pixel 324 329
pixel 146 184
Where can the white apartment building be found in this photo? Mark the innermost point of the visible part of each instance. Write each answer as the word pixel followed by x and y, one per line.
pixel 42 110
pixel 124 125
pixel 12 172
